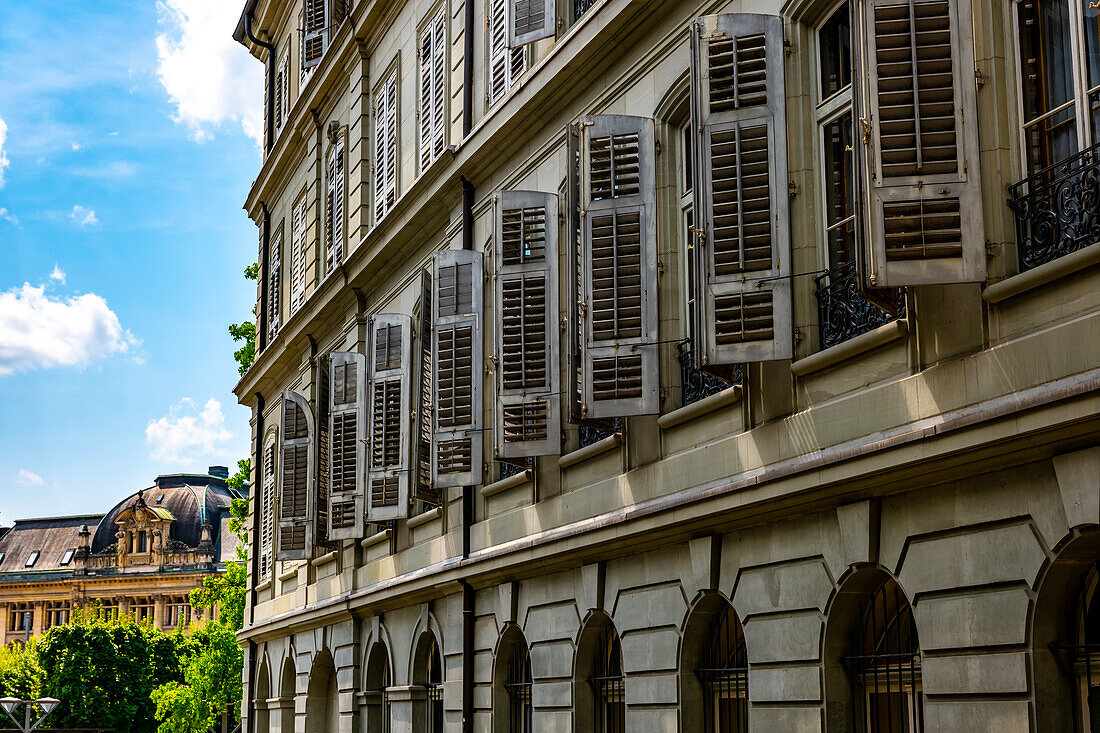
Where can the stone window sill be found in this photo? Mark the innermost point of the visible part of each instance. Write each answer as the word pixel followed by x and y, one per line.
pixel 499 487
pixel 376 539
pixel 263 586
pixel 424 517
pixel 609 443
pixel 288 573
pixel 861 344
pixel 1043 274
pixel 324 559
pixel 705 406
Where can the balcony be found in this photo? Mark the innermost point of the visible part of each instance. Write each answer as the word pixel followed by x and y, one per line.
pixel 695 384
pixel 1058 209
pixel 843 311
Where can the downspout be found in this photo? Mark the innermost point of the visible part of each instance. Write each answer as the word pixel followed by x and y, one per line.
pixel 468 74
pixel 269 140
pixel 264 277
pixel 467 491
pixel 257 509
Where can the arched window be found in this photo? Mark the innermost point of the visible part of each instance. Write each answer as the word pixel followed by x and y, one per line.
pixel 608 683
pixel 885 665
pixel 1080 653
pixel 322 696
pixel 428 672
pixel 285 702
pixel 512 693
pixel 725 677
pixel 378 682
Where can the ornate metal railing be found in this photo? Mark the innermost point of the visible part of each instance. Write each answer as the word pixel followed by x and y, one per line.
pixel 843 311
pixel 511 468
pixel 596 430
pixel 580 7
pixel 1058 209
pixel 696 384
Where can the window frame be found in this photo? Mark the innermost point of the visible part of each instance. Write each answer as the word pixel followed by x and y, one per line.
pixel 392 74
pixel 32 558
pixel 424 28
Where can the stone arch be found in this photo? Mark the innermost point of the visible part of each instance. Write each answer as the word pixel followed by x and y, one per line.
pixel 713 639
pixel 1064 618
pixel 261 693
pixel 512 683
pixel 598 681
pixel 282 717
pixel 377 678
pixel 322 696
pixel 870 623
pixel 427 677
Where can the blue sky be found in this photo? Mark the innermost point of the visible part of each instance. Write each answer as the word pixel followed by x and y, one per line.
pixel 125 156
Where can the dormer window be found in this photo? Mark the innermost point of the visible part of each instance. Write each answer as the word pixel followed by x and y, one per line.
pixel 32 559
pixel 67 557
pixel 143 541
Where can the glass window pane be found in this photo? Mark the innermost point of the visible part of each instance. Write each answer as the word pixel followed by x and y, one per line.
pixel 839 210
pixel 1046 67
pixel 835 43
pixel 1092 41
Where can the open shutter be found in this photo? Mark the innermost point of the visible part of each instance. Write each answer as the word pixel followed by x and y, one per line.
pixel 267 510
pixel 432 89
pixel 458 368
pixel 506 63
pixel 619 299
pixel 315 32
pixel 743 261
pixel 334 221
pixel 390 413
pixel 530 20
pixel 919 102
pixel 385 147
pixel 298 255
pixel 275 288
pixel 525 250
pixel 347 445
pixel 425 489
pixel 296 499
pixel 574 257
pixel 322 449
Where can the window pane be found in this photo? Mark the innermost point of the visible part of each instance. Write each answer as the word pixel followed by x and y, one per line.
pixel 1046 64
pixel 836 52
pixel 839 212
pixel 1092 42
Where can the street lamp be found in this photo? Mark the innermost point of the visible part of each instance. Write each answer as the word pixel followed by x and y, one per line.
pixel 9 704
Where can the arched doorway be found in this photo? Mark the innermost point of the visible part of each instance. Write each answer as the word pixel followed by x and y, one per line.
pixel 714 670
pixel 260 695
pixel 599 684
pixel 376 684
pixel 872 658
pixel 428 673
pixel 283 715
pixel 512 682
pixel 322 698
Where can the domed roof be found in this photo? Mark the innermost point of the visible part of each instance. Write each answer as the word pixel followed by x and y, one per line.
pixel 193 500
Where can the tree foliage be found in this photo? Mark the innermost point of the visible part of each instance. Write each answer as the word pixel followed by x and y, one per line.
pixel 246 331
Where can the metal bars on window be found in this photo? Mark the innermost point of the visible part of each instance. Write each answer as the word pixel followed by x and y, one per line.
pixel 609 684
pixel 725 679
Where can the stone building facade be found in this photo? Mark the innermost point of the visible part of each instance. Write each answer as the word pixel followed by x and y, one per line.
pixel 143 557
pixel 665 365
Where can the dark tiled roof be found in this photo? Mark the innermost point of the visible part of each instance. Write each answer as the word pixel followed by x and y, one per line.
pixel 50 537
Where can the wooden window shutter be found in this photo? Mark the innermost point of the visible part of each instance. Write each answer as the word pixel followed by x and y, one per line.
pixel 334 218
pixel 315 32
pixel 506 64
pixel 525 253
pixel 296 497
pixel 280 95
pixel 385 147
pixel 390 396
pixel 322 448
pixel 274 288
pixel 619 371
pixel 530 20
pixel 574 256
pixel 284 89
pixel 347 448
pixel 298 255
pixel 425 488
pixel 433 59
pixel 457 361
pixel 922 167
pixel 267 510
pixel 742 258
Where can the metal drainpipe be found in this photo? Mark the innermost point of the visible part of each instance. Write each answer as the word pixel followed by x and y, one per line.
pixel 467 491
pixel 257 509
pixel 269 142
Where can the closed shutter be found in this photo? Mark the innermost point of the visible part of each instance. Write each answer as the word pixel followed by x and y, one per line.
pixel 334 217
pixel 528 421
pixel 433 59
pixel 267 510
pixel 295 499
pixel 315 32
pixel 741 204
pixel 347 444
pixel 425 489
pixel 925 205
pixel 390 414
pixel 298 255
pixel 385 147
pixel 274 287
pixel 506 64
pixel 458 368
pixel 530 20
pixel 619 300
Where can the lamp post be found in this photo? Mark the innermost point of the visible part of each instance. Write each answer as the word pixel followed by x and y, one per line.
pixel 9 704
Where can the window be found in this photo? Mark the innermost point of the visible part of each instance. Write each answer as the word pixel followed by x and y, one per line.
pixel 57 614
pixel 282 93
pixel 177 611
pixel 67 557
pixel 390 416
pixel 377 685
pixel 432 56
pixel 433 686
pixel 385 147
pixel 334 207
pixel 143 610
pixel 295 539
pixel 513 698
pixel 506 64
pixel 108 608
pixel 298 254
pixel 274 287
pixel 267 509
pixel 320 18
pixel 32 559
pixel 426 491
pixel 21 617
pixel 142 541
pixel 725 677
pixel 530 20
pixel 608 684
pixel 580 7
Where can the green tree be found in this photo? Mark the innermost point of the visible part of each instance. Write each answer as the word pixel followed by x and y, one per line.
pixel 246 331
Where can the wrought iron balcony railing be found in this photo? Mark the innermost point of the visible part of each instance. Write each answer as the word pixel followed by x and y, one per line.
pixel 843 311
pixel 1058 209
pixel 580 7
pixel 696 384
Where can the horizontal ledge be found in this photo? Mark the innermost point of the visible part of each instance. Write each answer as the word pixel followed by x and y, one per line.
pixel 499 487
pixel 424 517
pixel 289 573
pixel 1042 274
pixel 580 455
pixel 375 539
pixel 264 585
pixel 852 347
pixel 708 404
pixel 324 559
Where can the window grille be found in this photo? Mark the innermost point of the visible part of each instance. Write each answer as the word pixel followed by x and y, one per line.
pixel 725 679
pixel 580 7
pixel 518 687
pixel 434 690
pixel 1082 656
pixel 608 684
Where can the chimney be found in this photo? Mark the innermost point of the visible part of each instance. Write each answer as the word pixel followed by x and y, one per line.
pixel 221 472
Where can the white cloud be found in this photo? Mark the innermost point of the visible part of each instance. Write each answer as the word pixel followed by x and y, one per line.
pixel 29 478
pixel 82 216
pixel 186 433
pixel 39 332
pixel 4 162
pixel 6 216
pixel 113 169
pixel 58 274
pixel 210 78
pixel 77 147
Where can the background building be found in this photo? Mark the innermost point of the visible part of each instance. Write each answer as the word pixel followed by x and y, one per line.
pixel 675 365
pixel 143 557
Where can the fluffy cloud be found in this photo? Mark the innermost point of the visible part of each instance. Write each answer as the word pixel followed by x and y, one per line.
pixel 210 78
pixel 58 275
pixel 4 162
pixel 186 433
pixel 28 478
pixel 83 216
pixel 39 332
pixel 7 216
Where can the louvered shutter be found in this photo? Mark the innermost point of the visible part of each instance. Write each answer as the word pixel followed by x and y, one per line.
pixel 574 251
pixel 267 510
pixel 425 489
pixel 347 444
pixel 296 499
pixel 619 371
pixel 284 89
pixel 390 395
pixel 743 263
pixel 530 20
pixel 279 99
pixel 433 89
pixel 528 421
pixel 925 205
pixel 274 287
pixel 385 147
pixel 458 368
pixel 298 255
pixel 505 64
pixel 315 32
pixel 323 445
pixel 334 220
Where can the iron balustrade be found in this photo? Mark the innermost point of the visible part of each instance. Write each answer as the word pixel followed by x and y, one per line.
pixel 580 7
pixel 842 310
pixel 1058 209
pixel 593 431
pixel 696 384
pixel 610 697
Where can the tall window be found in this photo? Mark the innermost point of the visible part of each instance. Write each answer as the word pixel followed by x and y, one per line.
pixel 334 207
pixel 505 64
pixel 274 288
pixel 512 699
pixel 434 690
pixel 725 677
pixel 143 610
pixel 1080 653
pixel 21 617
pixel 1060 78
pixel 298 254
pixel 57 613
pixel 385 147
pixel 267 511
pixel 282 93
pixel 377 690
pixel 177 611
pixel 433 88
pixel 608 684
